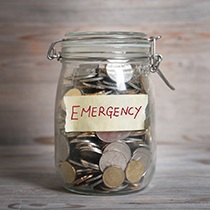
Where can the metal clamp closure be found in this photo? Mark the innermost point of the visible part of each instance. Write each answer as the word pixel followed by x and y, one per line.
pixel 156 60
pixel 52 53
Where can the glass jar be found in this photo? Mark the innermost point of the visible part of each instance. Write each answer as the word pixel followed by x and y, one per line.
pixel 104 113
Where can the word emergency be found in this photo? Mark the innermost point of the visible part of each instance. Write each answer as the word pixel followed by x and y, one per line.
pixel 77 111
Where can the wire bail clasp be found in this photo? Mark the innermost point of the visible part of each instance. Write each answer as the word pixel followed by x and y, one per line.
pixel 52 53
pixel 156 60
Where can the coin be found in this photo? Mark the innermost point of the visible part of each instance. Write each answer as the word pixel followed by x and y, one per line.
pixel 85 71
pixel 68 172
pixel 119 71
pixel 112 136
pixel 145 83
pixel 138 133
pixel 77 164
pixel 120 147
pixel 107 189
pixel 134 171
pixel 71 92
pixel 90 149
pixel 93 79
pixel 86 135
pixel 82 179
pixel 144 155
pixel 111 158
pixel 63 148
pixel 89 164
pixel 134 86
pixel 94 86
pixel 113 177
pixel 96 183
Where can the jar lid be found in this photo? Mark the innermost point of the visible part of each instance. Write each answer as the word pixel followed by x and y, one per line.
pixel 104 46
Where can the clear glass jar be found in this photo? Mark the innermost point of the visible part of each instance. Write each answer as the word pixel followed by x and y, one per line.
pixel 104 113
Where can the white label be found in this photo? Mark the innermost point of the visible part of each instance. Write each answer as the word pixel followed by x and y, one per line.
pixel 105 112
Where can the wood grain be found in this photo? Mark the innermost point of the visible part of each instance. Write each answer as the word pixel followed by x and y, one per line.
pixel 28 80
pixel 181 181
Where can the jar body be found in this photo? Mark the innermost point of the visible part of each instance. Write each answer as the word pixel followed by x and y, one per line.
pixel 105 126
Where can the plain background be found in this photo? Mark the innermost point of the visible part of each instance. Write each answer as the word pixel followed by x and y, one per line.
pixel 28 80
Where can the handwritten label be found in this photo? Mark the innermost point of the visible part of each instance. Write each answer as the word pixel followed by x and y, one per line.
pixel 105 112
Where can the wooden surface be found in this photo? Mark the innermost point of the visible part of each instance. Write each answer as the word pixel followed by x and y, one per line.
pixel 181 181
pixel 28 80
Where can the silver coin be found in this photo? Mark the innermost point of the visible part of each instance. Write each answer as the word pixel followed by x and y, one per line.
pixel 86 135
pixel 120 147
pixel 71 134
pixel 96 183
pixel 92 79
pixel 76 163
pixel 133 140
pixel 121 187
pixel 112 158
pixel 93 179
pixel 143 155
pixel 84 170
pixel 80 77
pixel 85 70
pixel 75 141
pixel 89 164
pixel 90 149
pixel 119 71
pixel 87 146
pixel 138 133
pixel 111 87
pixel 134 86
pixel 109 83
pixel 145 84
pixel 61 120
pixel 63 148
pixel 112 136
pixel 84 142
pixel 94 86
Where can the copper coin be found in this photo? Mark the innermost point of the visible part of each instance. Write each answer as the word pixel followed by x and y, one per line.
pixel 113 177
pixel 134 171
pixel 71 92
pixel 68 172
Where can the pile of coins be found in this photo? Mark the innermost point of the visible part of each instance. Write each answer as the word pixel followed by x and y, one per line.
pixel 102 161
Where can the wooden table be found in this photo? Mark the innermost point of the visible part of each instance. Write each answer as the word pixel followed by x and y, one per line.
pixel 181 181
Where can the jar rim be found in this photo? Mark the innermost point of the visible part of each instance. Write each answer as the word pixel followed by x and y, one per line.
pixel 106 45
pixel 105 34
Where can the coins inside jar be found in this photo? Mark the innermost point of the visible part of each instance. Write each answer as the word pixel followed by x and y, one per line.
pixel 104 161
